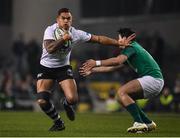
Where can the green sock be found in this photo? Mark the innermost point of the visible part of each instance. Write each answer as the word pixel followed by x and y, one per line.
pixel 144 117
pixel 134 111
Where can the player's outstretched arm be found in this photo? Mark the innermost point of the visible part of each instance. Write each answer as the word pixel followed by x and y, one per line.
pixel 103 40
pixel 89 64
pixel 110 41
pixel 114 61
pixel 98 70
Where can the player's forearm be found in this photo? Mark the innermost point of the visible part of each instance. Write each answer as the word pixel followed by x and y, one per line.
pixel 52 46
pixel 104 69
pixel 119 60
pixel 104 40
pixel 107 41
pixel 110 62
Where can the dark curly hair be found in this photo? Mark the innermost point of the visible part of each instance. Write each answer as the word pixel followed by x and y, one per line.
pixel 125 32
pixel 63 10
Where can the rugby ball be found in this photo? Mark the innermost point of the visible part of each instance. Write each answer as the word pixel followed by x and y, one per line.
pixel 58 33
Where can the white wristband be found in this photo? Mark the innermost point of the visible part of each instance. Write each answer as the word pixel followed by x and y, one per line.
pixel 98 62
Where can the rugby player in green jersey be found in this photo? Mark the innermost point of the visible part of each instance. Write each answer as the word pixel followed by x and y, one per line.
pixel 148 85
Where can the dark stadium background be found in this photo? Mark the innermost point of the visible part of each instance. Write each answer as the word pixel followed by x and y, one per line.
pixel 22 24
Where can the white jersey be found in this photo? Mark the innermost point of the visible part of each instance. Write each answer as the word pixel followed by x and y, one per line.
pixel 61 57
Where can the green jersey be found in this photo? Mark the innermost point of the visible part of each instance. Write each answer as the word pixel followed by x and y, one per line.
pixel 141 61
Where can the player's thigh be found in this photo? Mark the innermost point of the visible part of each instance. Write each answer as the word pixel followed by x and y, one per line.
pixel 45 85
pixel 69 88
pixel 133 89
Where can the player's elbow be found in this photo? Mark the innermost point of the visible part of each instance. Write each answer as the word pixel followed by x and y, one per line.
pixel 119 60
pixel 95 38
pixel 116 62
pixel 49 50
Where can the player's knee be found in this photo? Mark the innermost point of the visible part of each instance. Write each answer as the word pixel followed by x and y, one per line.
pixel 43 98
pixel 41 102
pixel 121 95
pixel 72 99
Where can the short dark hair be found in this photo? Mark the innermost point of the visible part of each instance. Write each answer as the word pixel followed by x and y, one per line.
pixel 63 10
pixel 125 32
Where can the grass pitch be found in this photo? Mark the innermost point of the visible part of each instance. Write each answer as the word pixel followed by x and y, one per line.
pixel 31 124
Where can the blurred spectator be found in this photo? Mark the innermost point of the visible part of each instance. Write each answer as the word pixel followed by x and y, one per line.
pixel 23 92
pixel 166 100
pixel 112 104
pixel 152 104
pixel 6 93
pixel 144 40
pixel 74 64
pixel 19 51
pixel 157 48
pixel 33 56
pixel 177 94
pixel 142 103
pixel 85 101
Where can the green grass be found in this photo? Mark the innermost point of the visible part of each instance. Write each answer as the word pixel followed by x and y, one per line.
pixel 25 124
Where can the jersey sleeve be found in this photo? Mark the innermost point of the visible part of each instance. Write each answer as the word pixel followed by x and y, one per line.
pixel 129 51
pixel 49 34
pixel 83 36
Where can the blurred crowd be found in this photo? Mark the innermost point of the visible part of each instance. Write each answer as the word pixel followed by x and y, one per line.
pixel 18 74
pixel 18 78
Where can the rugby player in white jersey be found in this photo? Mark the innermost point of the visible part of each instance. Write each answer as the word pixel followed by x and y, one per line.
pixel 55 65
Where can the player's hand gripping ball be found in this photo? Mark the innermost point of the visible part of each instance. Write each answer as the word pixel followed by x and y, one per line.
pixel 59 33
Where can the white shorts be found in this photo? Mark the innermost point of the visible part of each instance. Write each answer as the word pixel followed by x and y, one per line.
pixel 151 86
